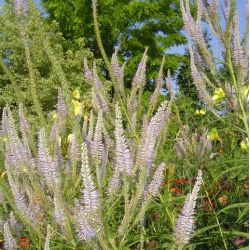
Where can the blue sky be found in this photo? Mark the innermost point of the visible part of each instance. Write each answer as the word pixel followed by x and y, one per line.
pixel 242 6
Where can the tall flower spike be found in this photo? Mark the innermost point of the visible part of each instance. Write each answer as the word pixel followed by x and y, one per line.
pixel 59 214
pixel 154 128
pixel 12 220
pixel 97 144
pixel 84 128
pixel 61 104
pixel 24 125
pixel 17 153
pixel 138 82
pixel 211 14
pixel 90 194
pixel 140 76
pixel 91 126
pixel 47 166
pixel 114 183
pixel 185 223
pixel 194 29
pixel 87 73
pixel 199 82
pixel 98 94
pixel 20 7
pixel 107 139
pixel 84 230
pixel 118 71
pixel 159 84
pixel 239 55
pixel 99 90
pixel 48 236
pixel 4 122
pixel 115 64
pixel 73 151
pixel 123 157
pixel 98 151
pixel 154 186
pixel 9 242
pixel 19 197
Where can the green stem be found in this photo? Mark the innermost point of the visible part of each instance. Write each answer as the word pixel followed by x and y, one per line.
pixel 216 218
pixel 244 116
pixel 107 63
pixel 99 40
pixel 128 118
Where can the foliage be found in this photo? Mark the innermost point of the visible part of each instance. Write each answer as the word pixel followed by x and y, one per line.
pixel 119 170
pixel 26 69
pixel 130 25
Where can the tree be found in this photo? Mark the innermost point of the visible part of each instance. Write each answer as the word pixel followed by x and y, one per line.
pixel 130 25
pixel 26 71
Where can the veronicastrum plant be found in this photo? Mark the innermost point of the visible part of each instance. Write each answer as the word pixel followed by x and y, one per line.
pixel 225 95
pixel 89 195
pixel 87 182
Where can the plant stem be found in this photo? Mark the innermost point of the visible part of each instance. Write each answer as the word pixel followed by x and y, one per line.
pixel 216 218
pixel 99 40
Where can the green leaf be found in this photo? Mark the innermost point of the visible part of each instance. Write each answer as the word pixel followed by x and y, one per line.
pixel 236 205
pixel 243 213
pixel 204 229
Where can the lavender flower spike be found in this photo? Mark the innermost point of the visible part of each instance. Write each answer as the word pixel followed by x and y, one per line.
pixel 59 214
pixel 20 7
pixel 123 156
pixel 19 197
pixel 154 186
pixel 24 125
pixel 90 194
pixel 47 166
pixel 84 229
pixel 9 241
pixel 61 104
pixel 47 241
pixel 185 223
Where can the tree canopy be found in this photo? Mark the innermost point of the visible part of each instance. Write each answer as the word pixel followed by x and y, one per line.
pixel 130 25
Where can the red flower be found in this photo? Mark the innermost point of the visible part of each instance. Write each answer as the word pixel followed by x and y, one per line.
pixel 24 242
pixel 180 180
pixel 176 190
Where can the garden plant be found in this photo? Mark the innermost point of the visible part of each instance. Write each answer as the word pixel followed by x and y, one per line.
pixel 92 158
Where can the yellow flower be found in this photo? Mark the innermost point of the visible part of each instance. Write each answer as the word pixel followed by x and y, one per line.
pixel 244 91
pixel 59 140
pixel 54 115
pixel 200 112
pixel 69 138
pixel 25 169
pixel 218 94
pixel 77 106
pixel 213 135
pixel 76 94
pixel 4 138
pixel 3 174
pixel 244 144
